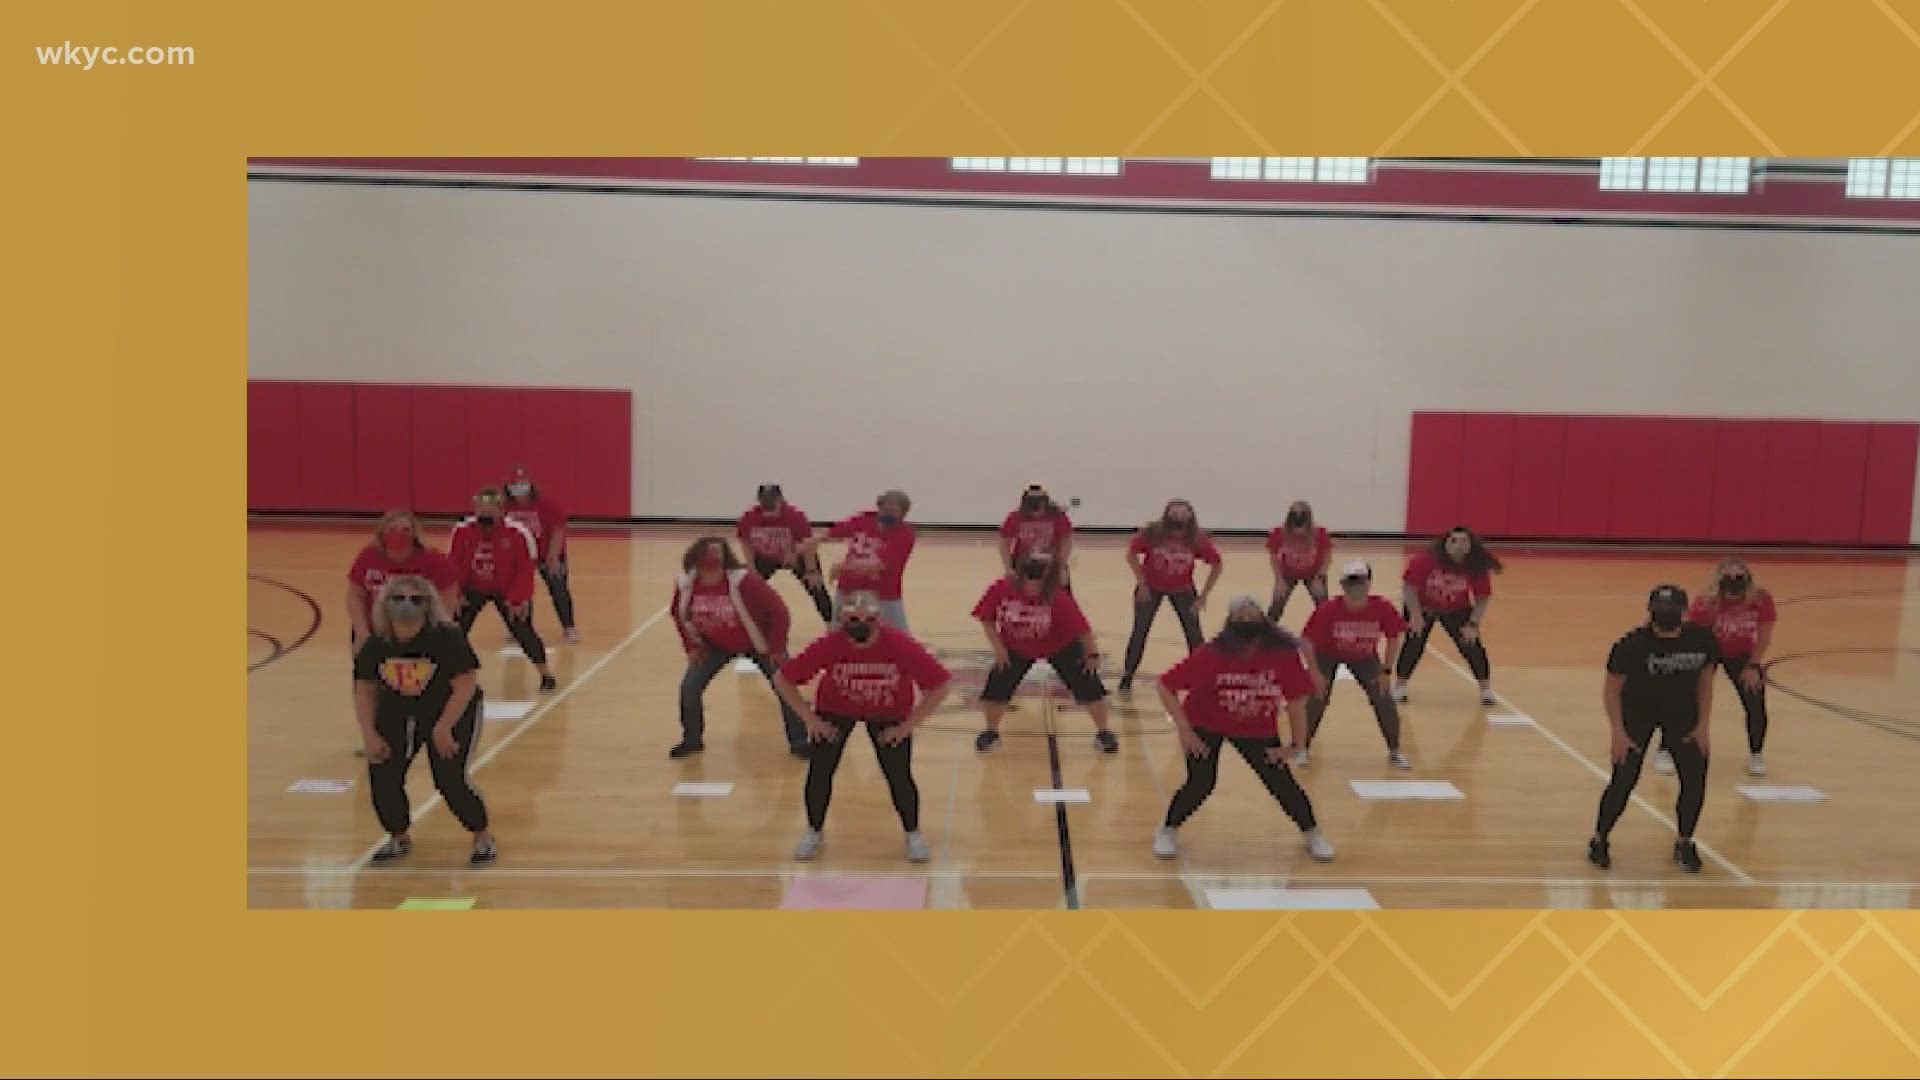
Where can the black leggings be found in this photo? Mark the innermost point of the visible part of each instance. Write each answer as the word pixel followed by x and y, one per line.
pixel 1283 592
pixel 1754 701
pixel 1204 771
pixel 1367 673
pixel 822 600
pixel 896 763
pixel 1185 605
pixel 561 592
pixel 1688 762
pixel 406 737
pixel 521 627
pixel 1474 652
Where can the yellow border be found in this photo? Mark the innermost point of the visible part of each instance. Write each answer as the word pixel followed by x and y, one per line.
pixel 130 949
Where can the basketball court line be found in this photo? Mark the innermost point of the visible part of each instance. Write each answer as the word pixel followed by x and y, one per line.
pixel 1605 775
pixel 519 729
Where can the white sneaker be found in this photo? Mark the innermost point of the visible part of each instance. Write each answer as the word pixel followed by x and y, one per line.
pixel 1301 758
pixel 809 845
pixel 1663 763
pixel 1398 760
pixel 573 636
pixel 1488 697
pixel 1756 766
pixel 917 850
pixel 1400 693
pixel 1166 842
pixel 1319 846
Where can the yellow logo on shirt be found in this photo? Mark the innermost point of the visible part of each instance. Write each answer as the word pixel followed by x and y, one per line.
pixel 408 675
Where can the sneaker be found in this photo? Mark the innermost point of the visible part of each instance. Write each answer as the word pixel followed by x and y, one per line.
pixel 1166 842
pixel 359 751
pixel 1106 741
pixel 1400 693
pixel 1126 683
pixel 1398 760
pixel 1301 759
pixel 1600 853
pixel 917 850
pixel 685 749
pixel 1686 856
pixel 548 684
pixel 799 750
pixel 396 847
pixel 1319 846
pixel 809 845
pixel 1756 766
pixel 986 741
pixel 572 636
pixel 1663 763
pixel 1488 697
pixel 484 852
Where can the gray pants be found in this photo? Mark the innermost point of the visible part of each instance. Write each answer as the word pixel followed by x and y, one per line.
pixel 892 612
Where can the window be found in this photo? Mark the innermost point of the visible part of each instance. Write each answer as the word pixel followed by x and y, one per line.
pixel 789 160
pixel 1714 175
pixel 1883 178
pixel 1324 170
pixel 1059 166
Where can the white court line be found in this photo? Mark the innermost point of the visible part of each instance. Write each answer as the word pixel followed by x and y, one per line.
pixel 1606 775
pixel 519 729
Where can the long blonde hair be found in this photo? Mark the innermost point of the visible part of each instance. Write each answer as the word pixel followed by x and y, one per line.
pixel 413 583
pixel 1712 592
pixel 398 517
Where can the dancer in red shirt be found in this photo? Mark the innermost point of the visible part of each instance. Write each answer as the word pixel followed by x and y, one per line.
pixel 879 543
pixel 1450 583
pixel 1741 615
pixel 723 612
pixel 544 518
pixel 496 559
pixel 869 674
pixel 1300 552
pixel 1349 629
pixel 1231 690
pixel 397 548
pixel 1038 524
pixel 773 531
pixel 1036 620
pixel 1162 556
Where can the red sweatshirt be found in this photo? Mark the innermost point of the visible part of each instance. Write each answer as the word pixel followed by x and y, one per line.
pixel 711 615
pixel 499 561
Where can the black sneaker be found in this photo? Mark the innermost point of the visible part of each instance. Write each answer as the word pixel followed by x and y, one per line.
pixel 548 682
pixel 396 847
pixel 1686 856
pixel 1106 741
pixel 1126 683
pixel 685 749
pixel 484 852
pixel 986 741
pixel 1599 853
pixel 799 750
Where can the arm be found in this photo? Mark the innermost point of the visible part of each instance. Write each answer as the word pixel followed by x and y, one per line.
pixel 930 700
pixel 363 707
pixel 1762 643
pixel 556 543
pixel 1137 562
pixel 1297 722
pixel 1182 727
pixel 1701 736
pixel 1616 724
pixel 464 686
pixel 357 610
pixel 795 700
pixel 768 609
pixel 998 646
pixel 1214 569
pixel 1006 554
pixel 1411 597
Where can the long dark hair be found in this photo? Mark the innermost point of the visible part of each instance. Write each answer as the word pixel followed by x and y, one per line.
pixel 1272 636
pixel 728 559
pixel 1479 559
pixel 1049 583
pixel 1051 509
pixel 1160 528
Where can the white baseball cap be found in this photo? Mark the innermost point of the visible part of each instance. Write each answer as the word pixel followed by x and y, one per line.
pixel 1358 568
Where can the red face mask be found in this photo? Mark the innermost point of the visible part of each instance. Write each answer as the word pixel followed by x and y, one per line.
pixel 397 539
pixel 711 560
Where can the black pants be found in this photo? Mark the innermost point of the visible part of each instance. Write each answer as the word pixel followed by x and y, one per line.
pixel 1204 771
pixel 822 600
pixel 1474 652
pixel 896 763
pixel 561 592
pixel 1185 605
pixel 693 689
pixel 1283 592
pixel 520 627
pixel 1367 673
pixel 1754 701
pixel 1688 762
pixel 407 736
pixel 1069 663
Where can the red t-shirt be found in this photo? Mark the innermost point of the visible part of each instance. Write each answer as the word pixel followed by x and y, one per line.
pixel 373 566
pixel 1030 626
pixel 1241 695
pixel 1300 556
pixel 1168 565
pixel 496 562
pixel 1736 623
pixel 716 619
pixel 542 517
pixel 774 536
pixel 1048 532
pixel 1337 631
pixel 875 681
pixel 1445 586
pixel 876 557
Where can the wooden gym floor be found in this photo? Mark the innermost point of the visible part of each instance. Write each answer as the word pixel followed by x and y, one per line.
pixel 582 795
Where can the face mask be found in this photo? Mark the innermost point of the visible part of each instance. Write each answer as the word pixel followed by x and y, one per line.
pixel 1033 570
pixel 396 539
pixel 1355 590
pixel 859 629
pixel 1735 584
pixel 1176 518
pixel 1667 619
pixel 1243 630
pixel 1458 548
pixel 520 489
pixel 1297 519
pixel 889 520
pixel 711 560
pixel 488 519
pixel 1033 504
pixel 406 607
pixel 769 505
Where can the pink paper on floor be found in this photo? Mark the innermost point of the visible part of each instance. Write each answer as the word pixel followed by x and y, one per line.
pixel 831 891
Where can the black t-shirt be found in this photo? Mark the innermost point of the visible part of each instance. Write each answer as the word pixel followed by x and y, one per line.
pixel 415 678
pixel 1663 674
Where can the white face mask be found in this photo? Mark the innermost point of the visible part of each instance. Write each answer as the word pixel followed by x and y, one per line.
pixel 519 489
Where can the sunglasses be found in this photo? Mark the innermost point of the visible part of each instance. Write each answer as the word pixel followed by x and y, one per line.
pixel 407 598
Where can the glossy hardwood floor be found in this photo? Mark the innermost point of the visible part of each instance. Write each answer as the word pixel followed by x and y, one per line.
pixel 582 791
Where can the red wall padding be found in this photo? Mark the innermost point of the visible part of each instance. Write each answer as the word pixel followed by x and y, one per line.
pixel 373 446
pixel 1663 478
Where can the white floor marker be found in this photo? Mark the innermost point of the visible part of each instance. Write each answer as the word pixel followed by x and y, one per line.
pixel 1406 789
pixel 512 652
pixel 1061 795
pixel 1291 900
pixel 506 710
pixel 745 666
pixel 704 790
pixel 1791 793
pixel 319 787
pixel 1510 719
pixel 1343 675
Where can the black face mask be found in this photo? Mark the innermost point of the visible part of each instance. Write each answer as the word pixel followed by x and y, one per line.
pixel 1668 618
pixel 1033 504
pixel 1296 519
pixel 769 505
pixel 888 520
pixel 859 629
pixel 1734 584
pixel 488 521
pixel 1033 570
pixel 1244 630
